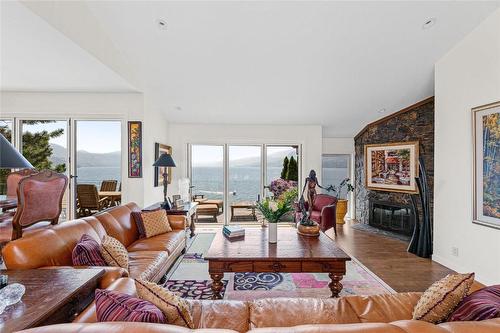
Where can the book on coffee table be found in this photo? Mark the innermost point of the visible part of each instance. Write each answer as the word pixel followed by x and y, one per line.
pixel 233 231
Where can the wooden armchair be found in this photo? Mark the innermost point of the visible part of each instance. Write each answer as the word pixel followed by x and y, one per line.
pixel 88 200
pixel 39 198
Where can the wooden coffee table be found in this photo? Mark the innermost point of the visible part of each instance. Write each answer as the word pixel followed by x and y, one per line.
pixel 292 253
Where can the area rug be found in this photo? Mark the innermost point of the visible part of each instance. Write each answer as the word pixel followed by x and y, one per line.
pixel 189 278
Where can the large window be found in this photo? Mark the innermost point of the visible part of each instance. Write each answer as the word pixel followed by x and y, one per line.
pixel 49 143
pixel 239 175
pixel 335 168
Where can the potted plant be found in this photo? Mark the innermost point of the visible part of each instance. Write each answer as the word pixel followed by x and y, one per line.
pixel 342 203
pixel 273 211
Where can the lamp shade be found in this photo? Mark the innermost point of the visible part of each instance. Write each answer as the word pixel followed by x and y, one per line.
pixel 165 160
pixel 10 158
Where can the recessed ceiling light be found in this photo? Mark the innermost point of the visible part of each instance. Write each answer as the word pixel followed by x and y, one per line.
pixel 381 111
pixel 429 23
pixel 162 24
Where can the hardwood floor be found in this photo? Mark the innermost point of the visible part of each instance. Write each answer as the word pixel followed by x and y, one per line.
pixel 388 259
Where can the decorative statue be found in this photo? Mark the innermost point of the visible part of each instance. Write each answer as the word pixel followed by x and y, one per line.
pixel 310 183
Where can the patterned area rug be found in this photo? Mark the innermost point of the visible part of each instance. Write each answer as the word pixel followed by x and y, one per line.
pixel 189 278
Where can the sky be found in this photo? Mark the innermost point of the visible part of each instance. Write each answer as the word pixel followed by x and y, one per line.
pixel 92 136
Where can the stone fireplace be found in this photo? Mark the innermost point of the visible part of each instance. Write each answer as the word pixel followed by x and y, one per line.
pixel 391 216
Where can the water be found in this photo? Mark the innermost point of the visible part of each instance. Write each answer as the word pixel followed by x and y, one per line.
pixel 95 175
pixel 244 182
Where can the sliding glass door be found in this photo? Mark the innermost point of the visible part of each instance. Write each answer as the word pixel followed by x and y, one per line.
pixel 45 144
pixel 97 170
pixel 237 176
pixel 244 182
pixel 207 180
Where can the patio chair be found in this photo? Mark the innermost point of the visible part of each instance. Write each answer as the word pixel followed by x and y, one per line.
pixel 88 200
pixel 108 185
pixel 39 199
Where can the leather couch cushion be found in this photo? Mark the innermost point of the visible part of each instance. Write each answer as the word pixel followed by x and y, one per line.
pixel 119 223
pixel 164 242
pixel 383 308
pixel 149 265
pixel 59 242
pixel 222 314
pixel 120 328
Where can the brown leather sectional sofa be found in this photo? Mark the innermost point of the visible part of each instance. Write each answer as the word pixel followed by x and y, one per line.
pixel 385 313
pixel 151 257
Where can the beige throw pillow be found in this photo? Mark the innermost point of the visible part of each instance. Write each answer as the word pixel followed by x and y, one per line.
pixel 441 298
pixel 175 309
pixel 114 253
pixel 155 223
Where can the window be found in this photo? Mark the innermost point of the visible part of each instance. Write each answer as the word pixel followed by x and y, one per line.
pixel 335 168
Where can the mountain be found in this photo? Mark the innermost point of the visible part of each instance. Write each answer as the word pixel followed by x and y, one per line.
pixel 85 158
pixel 273 160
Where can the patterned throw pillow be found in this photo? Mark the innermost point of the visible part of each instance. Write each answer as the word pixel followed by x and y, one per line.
pixel 441 298
pixel 155 223
pixel 114 252
pixel 87 252
pixel 115 306
pixel 480 305
pixel 175 309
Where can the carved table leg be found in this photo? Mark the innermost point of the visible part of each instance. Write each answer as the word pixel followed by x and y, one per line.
pixel 216 285
pixel 335 285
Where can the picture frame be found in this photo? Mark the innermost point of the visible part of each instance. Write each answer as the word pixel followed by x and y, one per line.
pixel 135 149
pixel 392 166
pixel 158 171
pixel 486 165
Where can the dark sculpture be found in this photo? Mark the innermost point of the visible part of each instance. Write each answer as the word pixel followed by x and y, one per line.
pixel 310 183
pixel 421 242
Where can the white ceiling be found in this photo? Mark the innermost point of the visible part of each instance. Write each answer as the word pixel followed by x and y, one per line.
pixel 329 63
pixel 37 57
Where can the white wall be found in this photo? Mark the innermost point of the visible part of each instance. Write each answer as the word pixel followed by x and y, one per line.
pixel 122 106
pixel 466 77
pixel 180 135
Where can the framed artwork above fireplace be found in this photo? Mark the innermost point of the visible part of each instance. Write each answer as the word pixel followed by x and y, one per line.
pixel 392 166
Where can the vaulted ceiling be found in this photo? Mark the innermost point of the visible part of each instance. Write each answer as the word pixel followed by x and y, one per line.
pixel 337 64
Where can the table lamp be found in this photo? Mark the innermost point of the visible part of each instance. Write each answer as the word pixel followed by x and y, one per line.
pixel 165 160
pixel 10 158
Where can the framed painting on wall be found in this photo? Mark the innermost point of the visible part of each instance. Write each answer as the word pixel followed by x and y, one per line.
pixel 392 167
pixel 486 159
pixel 135 149
pixel 159 171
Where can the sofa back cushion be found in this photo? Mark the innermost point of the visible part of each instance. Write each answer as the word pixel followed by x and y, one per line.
pixel 322 200
pixel 50 247
pixel 87 252
pixel 119 223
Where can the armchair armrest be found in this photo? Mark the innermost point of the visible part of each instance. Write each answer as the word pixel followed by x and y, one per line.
pixel 328 216
pixel 111 273
pixel 178 222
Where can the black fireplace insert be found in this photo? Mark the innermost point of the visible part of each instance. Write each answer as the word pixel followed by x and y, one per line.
pixel 396 217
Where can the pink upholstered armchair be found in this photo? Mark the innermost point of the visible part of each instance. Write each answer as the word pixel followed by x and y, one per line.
pixel 323 212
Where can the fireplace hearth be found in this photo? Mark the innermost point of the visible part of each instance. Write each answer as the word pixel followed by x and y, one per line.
pixel 395 217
